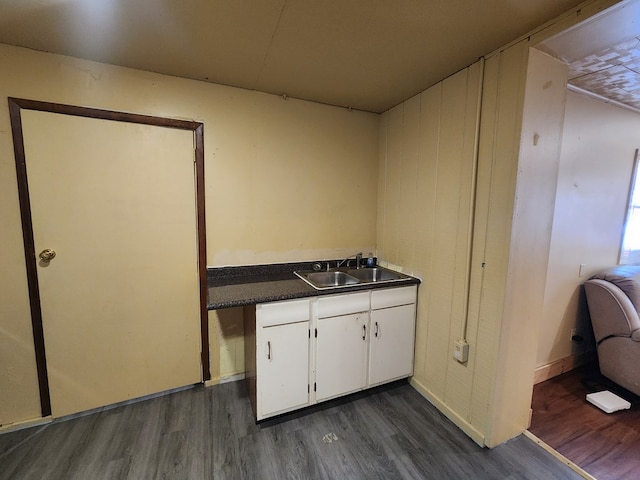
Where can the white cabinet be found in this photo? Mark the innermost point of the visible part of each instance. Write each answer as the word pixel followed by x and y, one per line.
pixel 281 357
pixel 392 341
pixel 283 368
pixel 299 352
pixel 341 344
pixel 393 320
pixel 341 355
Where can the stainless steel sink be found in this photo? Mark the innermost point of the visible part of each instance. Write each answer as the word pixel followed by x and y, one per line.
pixel 333 278
pixel 336 278
pixel 376 274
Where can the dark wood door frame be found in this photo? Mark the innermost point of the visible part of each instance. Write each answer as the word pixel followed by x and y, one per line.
pixel 16 105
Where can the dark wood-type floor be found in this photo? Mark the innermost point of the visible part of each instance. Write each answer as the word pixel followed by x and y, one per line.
pixel 606 446
pixel 204 433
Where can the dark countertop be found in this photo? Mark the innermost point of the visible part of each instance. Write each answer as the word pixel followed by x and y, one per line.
pixel 250 285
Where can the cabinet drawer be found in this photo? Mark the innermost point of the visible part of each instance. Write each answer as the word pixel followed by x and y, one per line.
pixel 281 313
pixel 334 305
pixel 391 297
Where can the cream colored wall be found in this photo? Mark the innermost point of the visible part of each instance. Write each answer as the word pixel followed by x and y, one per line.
pixel 227 338
pixel 471 246
pixel 285 180
pixel 497 269
pixel 523 181
pixel 514 212
pixel 472 242
pixel 503 92
pixel 512 229
pixel 427 165
pixel 598 148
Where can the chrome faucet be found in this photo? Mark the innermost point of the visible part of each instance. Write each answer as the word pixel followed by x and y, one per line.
pixel 358 257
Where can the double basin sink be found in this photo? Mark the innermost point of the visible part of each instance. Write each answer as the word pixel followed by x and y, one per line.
pixel 335 278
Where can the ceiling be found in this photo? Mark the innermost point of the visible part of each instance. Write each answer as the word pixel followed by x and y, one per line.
pixel 603 54
pixel 363 54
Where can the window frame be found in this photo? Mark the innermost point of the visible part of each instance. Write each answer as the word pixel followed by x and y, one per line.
pixel 623 259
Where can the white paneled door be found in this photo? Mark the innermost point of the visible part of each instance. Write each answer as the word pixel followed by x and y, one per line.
pixel 120 299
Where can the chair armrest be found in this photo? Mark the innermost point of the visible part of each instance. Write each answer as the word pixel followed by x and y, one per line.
pixel 611 311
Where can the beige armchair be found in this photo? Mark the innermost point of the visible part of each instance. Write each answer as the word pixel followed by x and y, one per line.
pixel 613 297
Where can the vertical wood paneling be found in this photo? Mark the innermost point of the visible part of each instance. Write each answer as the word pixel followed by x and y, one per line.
pixel 497 164
pixel 460 376
pixel 428 191
pixel 445 232
pixel 427 187
pixel 484 353
pixel 518 164
pixel 537 165
pixel 436 308
pixel 393 184
pixel 448 211
pixel 408 180
pixel 382 206
pixel 487 396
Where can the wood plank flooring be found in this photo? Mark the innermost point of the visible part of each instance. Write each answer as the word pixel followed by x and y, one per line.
pixel 203 433
pixel 606 446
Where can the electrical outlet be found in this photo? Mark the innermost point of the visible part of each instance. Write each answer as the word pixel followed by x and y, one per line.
pixel 461 351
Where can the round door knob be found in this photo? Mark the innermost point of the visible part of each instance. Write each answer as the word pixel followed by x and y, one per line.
pixel 47 255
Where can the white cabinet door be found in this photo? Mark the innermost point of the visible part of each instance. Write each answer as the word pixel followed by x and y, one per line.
pixel 341 355
pixel 392 343
pixel 282 366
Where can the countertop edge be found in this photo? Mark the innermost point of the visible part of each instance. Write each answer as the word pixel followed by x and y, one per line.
pixel 252 293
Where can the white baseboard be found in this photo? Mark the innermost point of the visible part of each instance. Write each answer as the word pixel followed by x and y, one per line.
pixel 49 419
pixel 12 427
pixel 460 422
